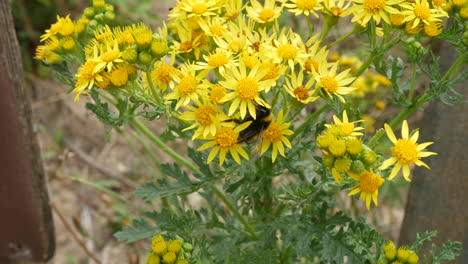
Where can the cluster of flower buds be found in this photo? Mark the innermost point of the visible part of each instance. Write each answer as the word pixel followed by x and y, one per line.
pixel 402 255
pixel 344 151
pixel 174 251
pixel 465 33
pixel 99 14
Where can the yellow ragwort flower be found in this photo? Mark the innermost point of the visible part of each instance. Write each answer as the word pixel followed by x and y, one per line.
pixel 365 10
pixel 264 14
pixel 346 128
pixel 206 118
pixel 189 85
pixel 275 135
pixel 336 8
pixel 246 88
pixel 333 83
pixel 368 186
pixel 420 12
pixel 405 152
pixel 296 87
pixel 288 48
pixel 226 140
pixel 305 7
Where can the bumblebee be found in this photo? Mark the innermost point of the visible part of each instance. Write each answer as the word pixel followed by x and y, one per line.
pixel 258 125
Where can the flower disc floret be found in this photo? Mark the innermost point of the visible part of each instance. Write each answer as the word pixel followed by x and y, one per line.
pixel 301 92
pixel 369 184
pixel 204 114
pixel 422 11
pixel 266 14
pixel 374 6
pixel 273 133
pixel 305 4
pixel 119 76
pixel 218 59
pixel 247 88
pixel 199 8
pixel 337 147
pixel 217 93
pixel 403 253
pixel 342 165
pixel 226 138
pixel 169 257
pixel 405 151
pixel 287 51
pixel 159 247
pixel 188 85
pixel 329 83
pixel 174 246
pixel 354 146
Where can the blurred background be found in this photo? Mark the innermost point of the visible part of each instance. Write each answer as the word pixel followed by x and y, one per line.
pixel 93 171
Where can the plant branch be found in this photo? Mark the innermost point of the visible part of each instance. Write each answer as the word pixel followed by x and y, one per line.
pixel 73 233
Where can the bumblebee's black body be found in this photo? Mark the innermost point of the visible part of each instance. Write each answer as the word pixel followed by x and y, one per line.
pixel 258 125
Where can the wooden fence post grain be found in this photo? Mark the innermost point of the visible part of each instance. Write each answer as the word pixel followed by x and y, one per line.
pixel 438 198
pixel 26 226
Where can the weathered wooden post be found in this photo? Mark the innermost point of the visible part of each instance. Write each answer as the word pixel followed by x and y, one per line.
pixel 26 227
pixel 438 198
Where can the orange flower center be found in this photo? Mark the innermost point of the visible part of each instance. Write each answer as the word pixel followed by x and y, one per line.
pixel 370 182
pixel 422 11
pixel 374 6
pixel 203 115
pixel 188 85
pixel 301 92
pixel 273 133
pixel 225 138
pixel 287 51
pixel 247 89
pixel 330 84
pixel 405 151
pixel 266 14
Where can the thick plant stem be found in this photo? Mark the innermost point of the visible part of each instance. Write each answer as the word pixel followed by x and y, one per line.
pixel 343 37
pixel 413 83
pixel 236 212
pixel 161 145
pixel 309 120
pixel 153 88
pixel 158 142
pixel 456 66
pixel 399 118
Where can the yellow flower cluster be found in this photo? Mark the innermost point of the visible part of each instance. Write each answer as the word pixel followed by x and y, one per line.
pixel 169 252
pixel 398 256
pixel 60 39
pixel 345 154
pixel 236 63
pixel 412 16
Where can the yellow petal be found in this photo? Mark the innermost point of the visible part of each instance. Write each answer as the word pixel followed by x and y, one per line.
pixel 414 137
pixel 222 156
pixel 337 176
pixel 406 172
pixel 424 145
pixel 212 154
pixel 387 163
pixel 354 191
pixel 421 163
pixel 426 154
pixel 395 170
pixel 404 130
pixel 390 133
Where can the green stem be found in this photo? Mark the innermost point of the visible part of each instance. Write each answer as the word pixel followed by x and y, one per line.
pixel 356 29
pixel 107 191
pixel 158 142
pixel 456 66
pixel 153 88
pixel 399 118
pixel 413 83
pixel 236 212
pixel 308 121
pixel 325 32
pixel 310 26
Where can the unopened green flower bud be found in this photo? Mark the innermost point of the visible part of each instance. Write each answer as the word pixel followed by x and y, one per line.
pixel 410 40
pixel 328 161
pixel 130 54
pixel 109 16
pixel 159 46
pixel 145 58
pixel 99 17
pixel 92 24
pixel 188 247
pixel 109 8
pixel 357 166
pixel 89 12
pixel 368 157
